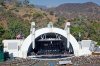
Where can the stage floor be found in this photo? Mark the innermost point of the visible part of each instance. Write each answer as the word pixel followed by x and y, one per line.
pixel 59 56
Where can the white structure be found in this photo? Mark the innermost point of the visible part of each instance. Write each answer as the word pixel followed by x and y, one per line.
pixel 65 62
pixel 88 44
pixel 12 46
pixel 33 34
pixel 19 48
pixel 67 28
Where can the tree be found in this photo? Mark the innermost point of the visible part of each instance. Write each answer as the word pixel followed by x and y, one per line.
pixel 1 2
pixel 60 22
pixel 1 31
pixel 17 27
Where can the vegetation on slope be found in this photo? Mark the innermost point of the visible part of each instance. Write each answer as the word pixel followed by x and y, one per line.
pixel 15 19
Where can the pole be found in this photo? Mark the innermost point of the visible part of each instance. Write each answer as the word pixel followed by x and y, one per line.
pixel 33 34
pixel 68 35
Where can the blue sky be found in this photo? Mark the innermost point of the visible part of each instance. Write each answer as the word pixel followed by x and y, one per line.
pixel 52 3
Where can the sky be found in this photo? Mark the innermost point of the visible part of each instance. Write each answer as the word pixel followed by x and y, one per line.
pixel 53 3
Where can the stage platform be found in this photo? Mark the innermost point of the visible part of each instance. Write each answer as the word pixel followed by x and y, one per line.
pixel 59 56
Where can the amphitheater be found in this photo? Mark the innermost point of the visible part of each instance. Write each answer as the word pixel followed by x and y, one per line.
pixel 49 46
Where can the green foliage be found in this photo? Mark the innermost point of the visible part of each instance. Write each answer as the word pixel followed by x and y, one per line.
pixel 88 29
pixel 7 35
pixel 37 15
pixel 26 15
pixel 17 10
pixel 1 31
pixel 76 30
pixel 17 26
pixel 60 22
pixel 1 1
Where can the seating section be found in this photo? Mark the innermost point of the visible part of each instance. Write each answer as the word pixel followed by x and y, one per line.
pixel 76 61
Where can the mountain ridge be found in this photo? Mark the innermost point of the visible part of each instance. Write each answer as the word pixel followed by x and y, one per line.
pixel 72 10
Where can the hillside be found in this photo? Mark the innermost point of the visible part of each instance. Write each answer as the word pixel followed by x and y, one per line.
pixel 72 10
pixel 15 19
pixel 30 13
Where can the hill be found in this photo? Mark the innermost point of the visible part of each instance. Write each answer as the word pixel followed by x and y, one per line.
pixel 15 18
pixel 84 18
pixel 71 10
